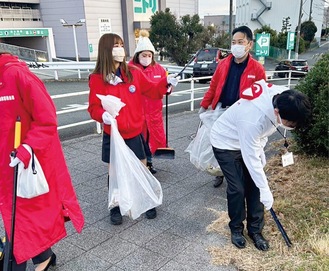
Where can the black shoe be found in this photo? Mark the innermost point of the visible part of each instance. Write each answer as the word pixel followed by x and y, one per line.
pixel 116 217
pixel 151 214
pixel 218 181
pixel 151 168
pixel 260 242
pixel 52 262
pixel 238 239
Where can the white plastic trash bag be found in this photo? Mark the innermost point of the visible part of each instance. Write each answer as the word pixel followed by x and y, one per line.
pixel 209 117
pixel 200 148
pixel 111 104
pixel 132 186
pixel 201 153
pixel 31 181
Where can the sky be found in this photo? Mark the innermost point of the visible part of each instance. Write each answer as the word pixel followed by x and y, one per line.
pixel 214 7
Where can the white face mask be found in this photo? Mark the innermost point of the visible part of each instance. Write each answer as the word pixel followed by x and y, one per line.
pixel 238 50
pixel 118 54
pixel 145 61
pixel 284 126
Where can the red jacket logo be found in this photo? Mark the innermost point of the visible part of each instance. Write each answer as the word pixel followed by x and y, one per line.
pixel 253 92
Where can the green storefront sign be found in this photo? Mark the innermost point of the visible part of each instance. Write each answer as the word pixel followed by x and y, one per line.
pixel 28 32
pixel 262 44
pixel 290 40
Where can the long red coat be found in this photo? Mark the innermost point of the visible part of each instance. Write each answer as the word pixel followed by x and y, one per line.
pixel 153 126
pixel 40 220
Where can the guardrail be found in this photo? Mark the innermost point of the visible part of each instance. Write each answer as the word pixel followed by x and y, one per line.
pixel 86 66
pixel 272 77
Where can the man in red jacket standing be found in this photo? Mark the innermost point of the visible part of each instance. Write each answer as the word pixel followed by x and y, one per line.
pixel 235 73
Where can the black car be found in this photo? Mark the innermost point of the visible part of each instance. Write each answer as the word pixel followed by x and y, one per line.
pixel 300 65
pixel 206 61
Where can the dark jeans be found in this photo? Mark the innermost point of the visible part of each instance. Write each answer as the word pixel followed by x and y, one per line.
pixel 22 267
pixel 241 191
pixel 136 144
pixel 147 149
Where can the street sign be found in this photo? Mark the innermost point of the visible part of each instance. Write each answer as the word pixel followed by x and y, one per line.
pixel 24 32
pixel 104 25
pixel 290 40
pixel 262 44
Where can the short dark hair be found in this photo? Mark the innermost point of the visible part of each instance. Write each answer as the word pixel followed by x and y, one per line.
pixel 294 106
pixel 245 30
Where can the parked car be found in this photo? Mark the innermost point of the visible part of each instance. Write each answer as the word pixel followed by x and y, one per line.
pixel 206 61
pixel 294 65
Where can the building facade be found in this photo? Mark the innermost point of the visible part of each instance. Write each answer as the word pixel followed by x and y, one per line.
pixel 256 13
pixel 75 26
pixel 222 22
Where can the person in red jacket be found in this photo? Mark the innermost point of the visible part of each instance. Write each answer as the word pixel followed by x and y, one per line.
pixel 153 130
pixel 39 222
pixel 233 74
pixel 112 76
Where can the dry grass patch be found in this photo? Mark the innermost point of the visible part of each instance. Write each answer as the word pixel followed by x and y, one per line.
pixel 301 202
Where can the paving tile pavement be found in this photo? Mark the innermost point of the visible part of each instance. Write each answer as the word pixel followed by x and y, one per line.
pixel 175 240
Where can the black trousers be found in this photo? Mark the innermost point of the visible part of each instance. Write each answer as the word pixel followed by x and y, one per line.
pixel 242 193
pixel 22 267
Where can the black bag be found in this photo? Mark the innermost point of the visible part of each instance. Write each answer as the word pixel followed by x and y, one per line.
pixel 2 252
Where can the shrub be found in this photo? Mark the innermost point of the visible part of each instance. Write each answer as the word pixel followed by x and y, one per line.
pixel 314 140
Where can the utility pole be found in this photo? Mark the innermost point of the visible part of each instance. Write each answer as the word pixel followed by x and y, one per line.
pixel 231 20
pixel 310 17
pixel 298 28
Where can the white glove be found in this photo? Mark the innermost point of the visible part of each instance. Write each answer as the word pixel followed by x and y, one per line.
pixel 201 110
pixel 173 80
pixel 266 198
pixel 107 118
pixel 14 162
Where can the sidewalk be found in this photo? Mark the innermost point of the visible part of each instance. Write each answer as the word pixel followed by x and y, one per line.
pixel 175 240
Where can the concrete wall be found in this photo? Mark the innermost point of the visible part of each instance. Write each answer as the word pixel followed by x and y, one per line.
pixel 102 9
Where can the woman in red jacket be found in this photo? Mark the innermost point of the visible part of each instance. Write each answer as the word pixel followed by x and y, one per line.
pixel 39 222
pixel 153 130
pixel 112 76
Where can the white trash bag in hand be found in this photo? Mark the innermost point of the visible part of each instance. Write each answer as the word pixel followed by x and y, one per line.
pixel 200 149
pixel 111 104
pixel 201 153
pixel 132 186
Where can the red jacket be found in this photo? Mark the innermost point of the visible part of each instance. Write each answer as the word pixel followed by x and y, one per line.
pixel 252 73
pixel 40 220
pixel 153 125
pixel 130 119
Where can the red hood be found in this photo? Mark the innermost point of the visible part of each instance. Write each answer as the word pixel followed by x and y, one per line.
pixel 10 59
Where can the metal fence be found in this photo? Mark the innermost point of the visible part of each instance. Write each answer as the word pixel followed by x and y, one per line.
pixel 272 77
